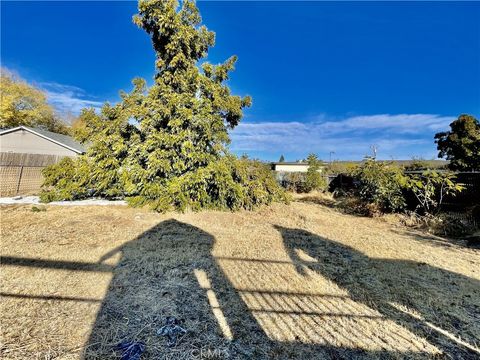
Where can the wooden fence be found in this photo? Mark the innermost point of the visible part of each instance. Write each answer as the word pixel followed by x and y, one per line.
pixel 470 196
pixel 16 159
pixel 21 174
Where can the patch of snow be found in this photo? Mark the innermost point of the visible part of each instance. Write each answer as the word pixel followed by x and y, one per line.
pixel 19 200
pixel 36 200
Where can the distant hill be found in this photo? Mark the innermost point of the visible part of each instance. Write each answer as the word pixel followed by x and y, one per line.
pixel 433 164
pixel 346 166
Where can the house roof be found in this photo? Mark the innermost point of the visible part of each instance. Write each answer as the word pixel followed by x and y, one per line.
pixel 289 163
pixel 59 139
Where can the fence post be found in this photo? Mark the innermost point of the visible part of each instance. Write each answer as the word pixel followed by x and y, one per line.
pixel 19 180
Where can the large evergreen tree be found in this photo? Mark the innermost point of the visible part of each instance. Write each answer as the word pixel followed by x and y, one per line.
pixel 166 145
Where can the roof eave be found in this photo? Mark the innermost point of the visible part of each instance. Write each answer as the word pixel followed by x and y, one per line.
pixel 42 136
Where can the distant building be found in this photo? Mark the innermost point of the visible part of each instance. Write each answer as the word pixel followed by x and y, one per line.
pixel 26 140
pixel 24 153
pixel 288 167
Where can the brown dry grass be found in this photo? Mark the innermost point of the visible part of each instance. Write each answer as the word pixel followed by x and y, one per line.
pixel 298 281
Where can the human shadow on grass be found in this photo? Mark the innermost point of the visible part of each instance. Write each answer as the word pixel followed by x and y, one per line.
pixel 169 271
pixel 155 279
pixel 445 305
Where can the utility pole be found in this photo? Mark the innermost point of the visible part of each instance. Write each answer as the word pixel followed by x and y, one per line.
pixel 374 149
pixel 331 152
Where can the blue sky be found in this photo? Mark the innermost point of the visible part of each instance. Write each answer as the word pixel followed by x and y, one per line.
pixel 324 76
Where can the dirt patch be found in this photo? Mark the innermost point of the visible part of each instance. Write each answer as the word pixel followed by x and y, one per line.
pixel 286 281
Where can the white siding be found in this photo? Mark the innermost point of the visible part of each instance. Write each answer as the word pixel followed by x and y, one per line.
pixel 291 168
pixel 24 142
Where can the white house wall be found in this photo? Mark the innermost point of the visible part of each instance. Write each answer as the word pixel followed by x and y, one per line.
pixel 291 168
pixel 24 142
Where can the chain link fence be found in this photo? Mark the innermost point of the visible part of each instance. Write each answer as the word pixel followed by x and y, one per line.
pixel 21 174
pixel 20 180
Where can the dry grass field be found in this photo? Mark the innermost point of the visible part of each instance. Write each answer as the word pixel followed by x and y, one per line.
pixel 298 281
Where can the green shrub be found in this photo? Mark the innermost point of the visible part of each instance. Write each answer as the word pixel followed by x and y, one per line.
pixel 313 179
pixel 227 184
pixel 66 180
pixel 381 184
pixel 295 182
pixel 336 167
pixel 306 182
pixel 430 187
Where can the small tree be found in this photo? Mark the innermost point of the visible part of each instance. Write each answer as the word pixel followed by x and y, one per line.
pixel 381 184
pixel 23 104
pixel 461 145
pixel 313 179
pixel 431 187
pixel 282 158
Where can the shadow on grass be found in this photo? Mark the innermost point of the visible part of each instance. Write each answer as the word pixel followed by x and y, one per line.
pixel 351 205
pixel 245 308
pixel 435 304
pixel 170 271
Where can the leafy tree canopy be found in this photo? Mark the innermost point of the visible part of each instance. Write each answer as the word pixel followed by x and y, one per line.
pixel 313 179
pixel 282 158
pixel 430 187
pixel 461 145
pixel 23 104
pixel 313 162
pixel 166 145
